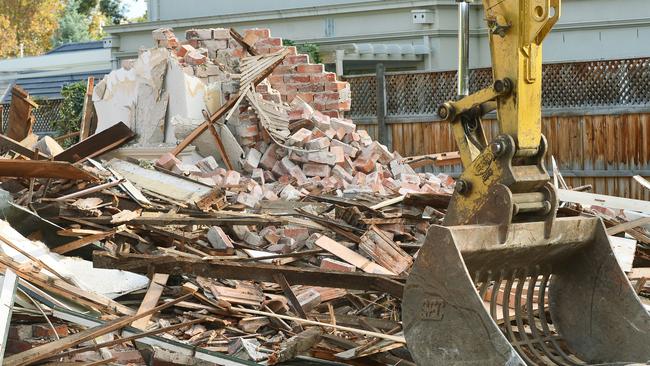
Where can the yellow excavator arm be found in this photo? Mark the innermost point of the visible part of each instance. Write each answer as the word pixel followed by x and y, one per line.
pixel 504 281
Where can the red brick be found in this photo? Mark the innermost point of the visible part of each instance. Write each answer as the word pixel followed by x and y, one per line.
pixel 296 232
pixel 365 166
pixel 334 265
pixel 326 97
pixel 297 78
pixel 267 42
pixel 316 170
pixel 167 161
pixel 195 58
pixel 336 86
pixel 238 52
pixel 129 357
pixel 309 68
pixel 292 50
pixel 331 113
pixel 44 330
pixel 283 70
pixel 339 153
pixel 184 50
pixel 307 97
pixel 276 79
pixel 272 49
pixel 309 88
pixel 260 32
pixel 330 76
pixel 338 171
pixel 194 43
pixel 297 59
pixel 345 105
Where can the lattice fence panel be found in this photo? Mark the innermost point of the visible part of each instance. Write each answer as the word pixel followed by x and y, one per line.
pixel 46 113
pixel 364 96
pixel 576 86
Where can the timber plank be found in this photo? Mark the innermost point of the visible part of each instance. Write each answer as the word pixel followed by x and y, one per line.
pixel 151 298
pixel 141 263
pixel 42 169
pixel 44 351
pixel 351 256
pixel 97 144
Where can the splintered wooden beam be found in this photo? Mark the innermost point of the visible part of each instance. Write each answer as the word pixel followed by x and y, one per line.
pixel 288 292
pixel 7 296
pixel 141 263
pixel 87 110
pixel 97 144
pixel 238 37
pixel 7 143
pixel 64 289
pixel 80 243
pixel 225 108
pixel 628 225
pixel 440 159
pixel 46 350
pixel 42 169
pixel 151 298
pixel 220 147
pixel 134 337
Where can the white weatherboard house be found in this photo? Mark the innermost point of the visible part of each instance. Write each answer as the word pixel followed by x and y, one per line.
pixel 402 34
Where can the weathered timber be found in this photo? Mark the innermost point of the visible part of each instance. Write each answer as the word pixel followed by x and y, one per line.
pixel 247 271
pixel 42 169
pixel 183 220
pixel 97 144
pixel 44 351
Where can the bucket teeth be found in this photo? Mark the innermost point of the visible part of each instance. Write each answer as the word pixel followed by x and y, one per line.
pixel 521 295
pixel 563 300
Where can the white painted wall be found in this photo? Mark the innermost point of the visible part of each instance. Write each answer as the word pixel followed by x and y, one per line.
pixel 588 29
pixel 64 63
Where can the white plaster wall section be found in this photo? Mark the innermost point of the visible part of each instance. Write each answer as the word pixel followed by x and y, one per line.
pixel 151 103
pixel 186 97
pixel 114 98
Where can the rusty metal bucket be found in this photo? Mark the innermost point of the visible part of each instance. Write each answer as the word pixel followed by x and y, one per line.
pixel 470 300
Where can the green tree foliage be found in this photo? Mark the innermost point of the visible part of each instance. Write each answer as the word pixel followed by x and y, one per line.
pixel 73 25
pixel 70 113
pixel 113 9
pixel 86 7
pixel 310 49
pixel 30 23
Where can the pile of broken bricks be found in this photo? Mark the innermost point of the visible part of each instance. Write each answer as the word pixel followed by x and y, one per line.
pixel 296 253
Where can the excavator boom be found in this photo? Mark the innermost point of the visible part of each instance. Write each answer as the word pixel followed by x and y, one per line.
pixel 504 281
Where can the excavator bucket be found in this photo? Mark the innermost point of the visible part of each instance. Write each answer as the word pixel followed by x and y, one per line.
pixel 561 300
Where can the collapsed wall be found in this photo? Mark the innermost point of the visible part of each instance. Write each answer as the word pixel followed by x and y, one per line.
pixel 286 138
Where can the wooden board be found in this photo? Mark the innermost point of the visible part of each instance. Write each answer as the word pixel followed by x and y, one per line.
pixel 21 119
pixel 140 263
pixel 628 225
pixel 42 352
pixel 351 256
pixel 74 245
pixel 9 144
pixel 97 144
pixel 151 298
pixel 585 198
pixel 613 147
pixel 88 110
pixel 42 169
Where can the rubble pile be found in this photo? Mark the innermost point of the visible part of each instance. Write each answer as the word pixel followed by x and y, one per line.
pixel 286 239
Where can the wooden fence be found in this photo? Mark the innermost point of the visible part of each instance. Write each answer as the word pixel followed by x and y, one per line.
pixel 602 150
pixel 596 141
